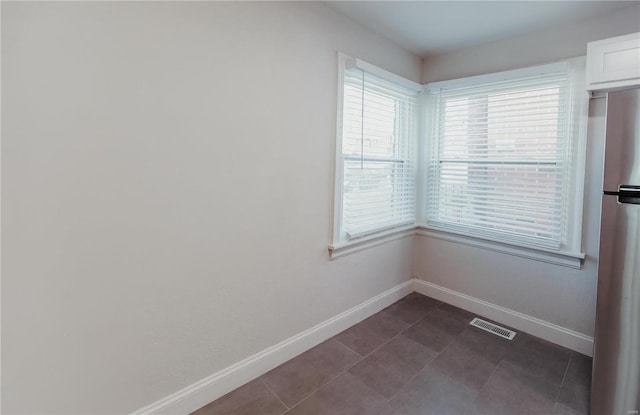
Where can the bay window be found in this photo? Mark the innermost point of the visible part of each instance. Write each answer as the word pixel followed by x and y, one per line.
pixel 501 157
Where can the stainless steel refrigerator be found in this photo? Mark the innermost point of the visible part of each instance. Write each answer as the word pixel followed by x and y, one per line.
pixel 616 362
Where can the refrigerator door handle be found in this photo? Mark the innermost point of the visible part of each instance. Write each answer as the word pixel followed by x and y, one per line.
pixel 627 194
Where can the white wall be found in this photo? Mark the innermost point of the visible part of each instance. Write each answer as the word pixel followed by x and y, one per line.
pixel 534 48
pixel 557 294
pixel 167 191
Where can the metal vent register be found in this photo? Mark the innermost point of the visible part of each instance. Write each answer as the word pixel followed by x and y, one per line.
pixel 492 328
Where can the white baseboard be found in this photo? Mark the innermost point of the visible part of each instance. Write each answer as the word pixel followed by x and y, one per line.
pixel 218 384
pixel 535 326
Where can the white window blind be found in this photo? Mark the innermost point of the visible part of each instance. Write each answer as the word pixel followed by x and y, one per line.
pixel 501 162
pixel 378 170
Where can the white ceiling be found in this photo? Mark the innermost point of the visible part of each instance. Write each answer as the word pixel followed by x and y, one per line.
pixel 434 27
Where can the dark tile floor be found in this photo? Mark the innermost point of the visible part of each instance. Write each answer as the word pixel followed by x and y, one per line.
pixel 419 356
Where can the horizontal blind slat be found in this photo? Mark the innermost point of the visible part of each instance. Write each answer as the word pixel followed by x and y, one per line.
pixel 378 171
pixel 497 158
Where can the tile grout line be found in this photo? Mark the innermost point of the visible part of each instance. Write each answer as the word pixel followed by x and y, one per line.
pixel 429 362
pixel 359 355
pixel 331 380
pixel 439 371
pixel 564 377
pixel 486 382
pixel 403 331
pixel 402 317
pixel 417 373
pixel 274 394
pixel 495 369
pixel 362 358
pixel 438 306
pixel 368 354
pixel 427 313
pixel 402 300
pixel 351 366
pixel 396 335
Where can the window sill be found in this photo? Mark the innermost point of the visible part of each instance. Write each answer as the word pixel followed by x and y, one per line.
pixel 341 249
pixel 565 259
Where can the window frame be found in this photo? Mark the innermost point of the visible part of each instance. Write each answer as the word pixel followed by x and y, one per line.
pixel 570 255
pixel 341 244
pixel 569 252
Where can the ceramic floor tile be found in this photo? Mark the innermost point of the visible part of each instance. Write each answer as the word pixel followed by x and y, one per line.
pixel 302 375
pixel 425 358
pixel 345 395
pixel 371 333
pixel 560 409
pixel 412 308
pixel 529 348
pixel 431 392
pixel 390 367
pixel 456 311
pixel 429 335
pixel 510 391
pixel 472 357
pixel 540 364
pixel 451 320
pixel 252 398
pixel 575 392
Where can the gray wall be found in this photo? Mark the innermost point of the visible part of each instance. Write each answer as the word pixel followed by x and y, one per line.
pixel 167 191
pixel 557 294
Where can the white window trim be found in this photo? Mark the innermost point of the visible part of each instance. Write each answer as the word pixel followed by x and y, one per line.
pixel 563 258
pixel 581 160
pixel 497 76
pixel 339 247
pixel 339 168
pixel 570 254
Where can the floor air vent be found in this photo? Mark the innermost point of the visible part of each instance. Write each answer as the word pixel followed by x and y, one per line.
pixel 492 328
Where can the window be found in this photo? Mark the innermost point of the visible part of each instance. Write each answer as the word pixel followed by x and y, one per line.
pixel 503 157
pixel 375 169
pixel 501 160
